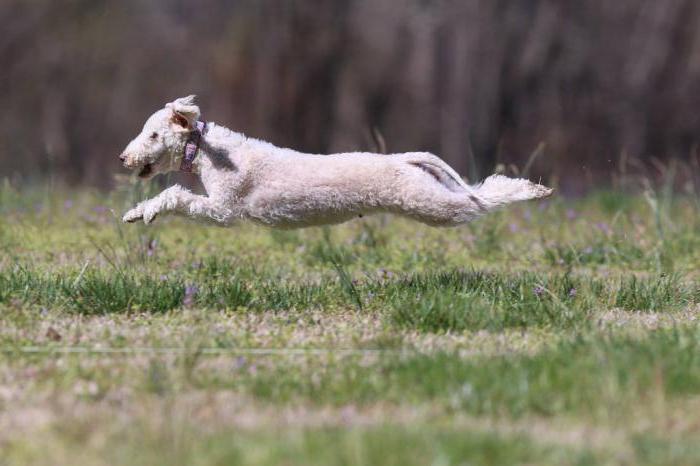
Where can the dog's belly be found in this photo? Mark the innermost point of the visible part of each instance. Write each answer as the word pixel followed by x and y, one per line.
pixel 320 191
pixel 317 205
pixel 290 219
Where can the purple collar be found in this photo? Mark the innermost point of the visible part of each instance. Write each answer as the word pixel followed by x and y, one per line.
pixel 192 146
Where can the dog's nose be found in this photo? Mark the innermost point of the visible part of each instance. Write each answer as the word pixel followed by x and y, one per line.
pixel 122 158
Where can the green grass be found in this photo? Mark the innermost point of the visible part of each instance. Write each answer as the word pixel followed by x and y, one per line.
pixel 599 378
pixel 386 445
pixel 452 300
pixel 563 332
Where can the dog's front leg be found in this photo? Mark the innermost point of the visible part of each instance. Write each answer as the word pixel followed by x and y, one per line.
pixel 177 199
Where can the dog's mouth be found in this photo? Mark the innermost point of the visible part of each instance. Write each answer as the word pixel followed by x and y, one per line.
pixel 146 171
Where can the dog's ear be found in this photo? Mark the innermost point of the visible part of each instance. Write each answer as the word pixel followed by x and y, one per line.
pixel 184 113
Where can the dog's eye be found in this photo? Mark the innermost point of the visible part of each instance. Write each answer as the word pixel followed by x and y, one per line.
pixel 154 135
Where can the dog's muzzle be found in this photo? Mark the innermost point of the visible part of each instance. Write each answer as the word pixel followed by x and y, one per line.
pixel 144 172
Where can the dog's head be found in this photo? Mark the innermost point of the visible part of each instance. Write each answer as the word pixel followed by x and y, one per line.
pixel 160 145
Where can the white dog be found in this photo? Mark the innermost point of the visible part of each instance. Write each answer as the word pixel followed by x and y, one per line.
pixel 250 179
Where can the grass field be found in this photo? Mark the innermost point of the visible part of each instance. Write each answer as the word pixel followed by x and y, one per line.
pixel 563 332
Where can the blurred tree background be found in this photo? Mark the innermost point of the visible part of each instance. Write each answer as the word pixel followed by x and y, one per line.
pixel 596 85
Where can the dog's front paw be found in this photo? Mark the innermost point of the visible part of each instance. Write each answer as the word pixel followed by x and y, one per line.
pixel 146 211
pixel 134 214
pixel 150 211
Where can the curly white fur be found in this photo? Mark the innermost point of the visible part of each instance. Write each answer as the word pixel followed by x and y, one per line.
pixel 250 179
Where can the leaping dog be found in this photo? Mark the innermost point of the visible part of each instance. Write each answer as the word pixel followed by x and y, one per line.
pixel 250 179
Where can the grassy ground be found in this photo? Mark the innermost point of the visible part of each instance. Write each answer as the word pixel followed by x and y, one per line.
pixel 563 332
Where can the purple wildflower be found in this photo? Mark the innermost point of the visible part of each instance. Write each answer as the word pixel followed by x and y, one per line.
pixel 67 204
pixel 190 292
pixel 513 227
pixel 572 292
pixel 151 247
pixel 538 290
pixel 604 227
pixel 571 214
pixel 239 362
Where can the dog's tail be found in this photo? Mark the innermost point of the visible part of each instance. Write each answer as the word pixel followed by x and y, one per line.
pixel 495 191
pixel 498 190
